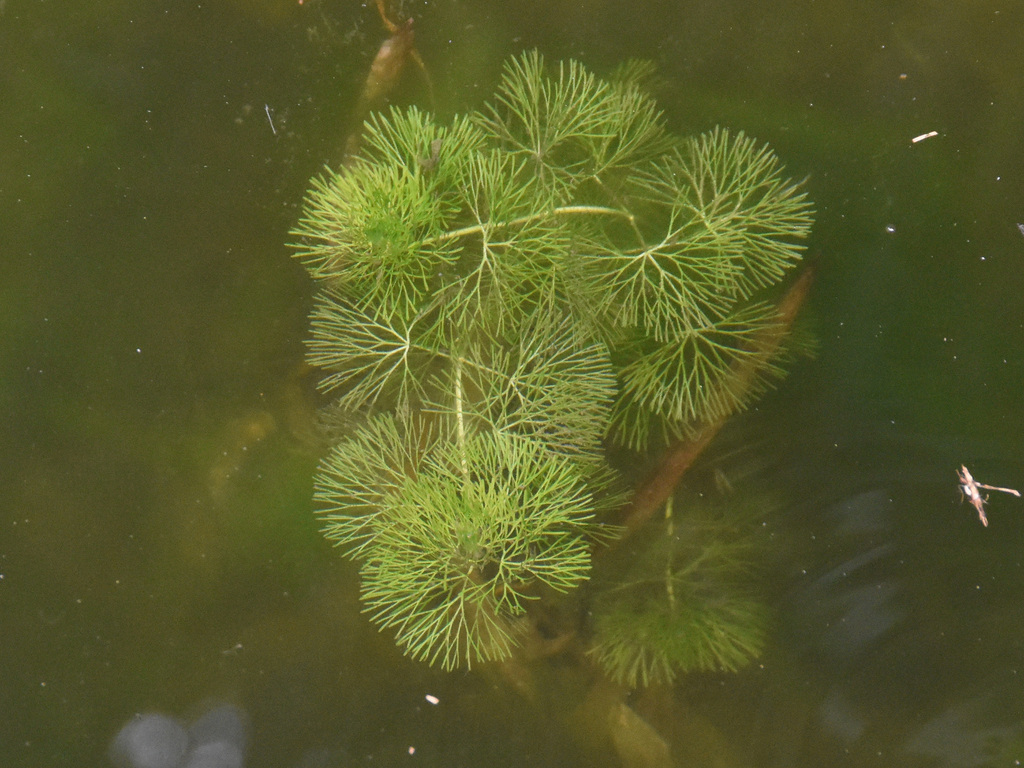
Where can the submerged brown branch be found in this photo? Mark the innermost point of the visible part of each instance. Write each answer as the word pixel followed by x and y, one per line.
pixel 385 72
pixel 660 486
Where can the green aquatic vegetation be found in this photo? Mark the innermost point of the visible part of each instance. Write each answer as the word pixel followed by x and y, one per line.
pixel 501 295
pixel 685 601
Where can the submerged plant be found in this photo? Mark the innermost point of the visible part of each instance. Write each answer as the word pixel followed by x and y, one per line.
pixel 685 603
pixel 502 294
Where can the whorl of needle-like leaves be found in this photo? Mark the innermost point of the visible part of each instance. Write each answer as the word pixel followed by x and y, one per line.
pixel 547 384
pixel 703 374
pixel 686 601
pixel 574 128
pixel 453 540
pixel 373 463
pixel 651 642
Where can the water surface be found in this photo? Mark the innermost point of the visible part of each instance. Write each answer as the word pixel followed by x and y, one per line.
pixel 158 549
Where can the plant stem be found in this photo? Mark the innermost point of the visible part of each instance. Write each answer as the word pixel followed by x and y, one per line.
pixel 460 424
pixel 565 210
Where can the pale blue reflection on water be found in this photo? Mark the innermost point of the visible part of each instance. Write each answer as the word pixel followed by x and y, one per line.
pixel 158 553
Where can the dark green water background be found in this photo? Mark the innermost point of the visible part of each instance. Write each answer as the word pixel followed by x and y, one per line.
pixel 157 546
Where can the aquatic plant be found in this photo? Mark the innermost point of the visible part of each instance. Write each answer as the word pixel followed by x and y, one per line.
pixel 684 601
pixel 499 296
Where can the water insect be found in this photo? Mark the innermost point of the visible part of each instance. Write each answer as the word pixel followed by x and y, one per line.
pixel 969 487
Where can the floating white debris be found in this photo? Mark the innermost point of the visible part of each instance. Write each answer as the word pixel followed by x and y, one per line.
pixel 432 699
pixel 924 136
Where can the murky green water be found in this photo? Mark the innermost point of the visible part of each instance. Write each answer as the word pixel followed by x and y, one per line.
pixel 157 548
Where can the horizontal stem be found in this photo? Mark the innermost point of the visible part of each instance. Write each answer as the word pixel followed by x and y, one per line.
pixel 565 210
